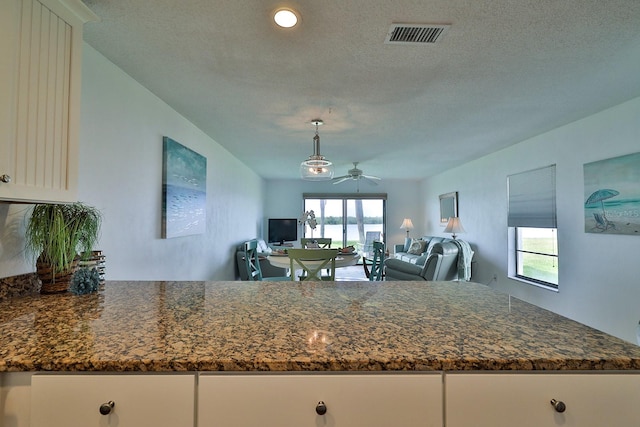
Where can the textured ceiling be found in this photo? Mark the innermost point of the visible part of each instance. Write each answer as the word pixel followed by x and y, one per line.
pixel 505 70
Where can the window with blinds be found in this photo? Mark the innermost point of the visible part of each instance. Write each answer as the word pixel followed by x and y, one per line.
pixel 532 216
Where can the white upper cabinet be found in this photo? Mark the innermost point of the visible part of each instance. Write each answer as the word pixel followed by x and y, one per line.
pixel 40 51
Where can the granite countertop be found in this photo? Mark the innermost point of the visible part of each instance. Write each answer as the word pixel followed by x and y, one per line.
pixel 284 326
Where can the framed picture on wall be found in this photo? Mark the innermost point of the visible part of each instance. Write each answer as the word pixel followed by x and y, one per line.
pixel 184 190
pixel 612 195
pixel 448 206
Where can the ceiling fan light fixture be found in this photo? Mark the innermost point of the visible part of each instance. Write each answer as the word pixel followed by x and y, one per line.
pixel 316 167
pixel 285 18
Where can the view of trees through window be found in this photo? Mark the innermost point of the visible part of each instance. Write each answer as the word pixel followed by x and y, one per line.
pixel 537 255
pixel 347 221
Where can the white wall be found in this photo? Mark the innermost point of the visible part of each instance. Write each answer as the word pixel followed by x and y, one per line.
pixel 13 260
pixel 283 199
pixel 122 125
pixel 599 283
pixel 121 173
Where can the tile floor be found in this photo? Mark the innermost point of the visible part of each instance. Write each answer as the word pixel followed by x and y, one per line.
pixel 352 273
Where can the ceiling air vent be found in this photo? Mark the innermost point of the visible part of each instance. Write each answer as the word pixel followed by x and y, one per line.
pixel 415 33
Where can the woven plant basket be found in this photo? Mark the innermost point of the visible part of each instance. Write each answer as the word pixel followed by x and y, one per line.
pixel 51 283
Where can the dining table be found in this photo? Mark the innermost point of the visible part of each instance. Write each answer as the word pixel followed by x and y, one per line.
pixel 342 260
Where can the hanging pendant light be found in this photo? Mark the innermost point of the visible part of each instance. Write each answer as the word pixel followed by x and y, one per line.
pixel 316 167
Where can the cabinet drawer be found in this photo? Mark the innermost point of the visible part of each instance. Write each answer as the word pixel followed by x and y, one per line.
pixel 140 400
pixel 525 400
pixel 291 400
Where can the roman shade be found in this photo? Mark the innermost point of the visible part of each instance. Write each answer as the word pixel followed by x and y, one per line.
pixel 532 198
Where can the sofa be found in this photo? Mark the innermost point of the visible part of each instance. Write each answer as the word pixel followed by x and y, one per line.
pixel 403 252
pixel 268 270
pixel 430 258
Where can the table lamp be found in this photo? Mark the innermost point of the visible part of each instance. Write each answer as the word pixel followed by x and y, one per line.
pixel 407 225
pixel 454 226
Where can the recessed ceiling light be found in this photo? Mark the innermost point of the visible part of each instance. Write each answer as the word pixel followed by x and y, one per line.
pixel 285 18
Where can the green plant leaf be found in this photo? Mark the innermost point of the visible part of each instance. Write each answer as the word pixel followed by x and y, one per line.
pixel 56 233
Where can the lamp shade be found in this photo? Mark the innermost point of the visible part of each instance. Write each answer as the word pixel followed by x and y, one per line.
pixel 316 169
pixel 454 226
pixel 406 224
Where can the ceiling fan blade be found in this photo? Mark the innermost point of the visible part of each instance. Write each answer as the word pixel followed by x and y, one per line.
pixel 370 181
pixel 371 177
pixel 342 179
pixel 356 175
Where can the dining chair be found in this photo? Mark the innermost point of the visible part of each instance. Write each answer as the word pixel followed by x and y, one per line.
pixel 322 242
pixel 312 262
pixel 377 264
pixel 367 247
pixel 252 261
pixel 316 243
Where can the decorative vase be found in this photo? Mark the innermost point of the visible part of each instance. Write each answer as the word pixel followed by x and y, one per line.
pixel 95 260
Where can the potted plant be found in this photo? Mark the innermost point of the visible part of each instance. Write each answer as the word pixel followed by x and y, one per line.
pixel 55 234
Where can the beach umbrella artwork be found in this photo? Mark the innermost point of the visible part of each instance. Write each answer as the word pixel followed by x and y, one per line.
pixel 599 196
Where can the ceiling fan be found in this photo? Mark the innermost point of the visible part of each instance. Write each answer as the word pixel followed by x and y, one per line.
pixel 356 175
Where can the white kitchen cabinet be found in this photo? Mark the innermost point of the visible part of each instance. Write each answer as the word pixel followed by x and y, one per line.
pixel 15 398
pixel 403 400
pixel 40 71
pixel 524 400
pixel 139 400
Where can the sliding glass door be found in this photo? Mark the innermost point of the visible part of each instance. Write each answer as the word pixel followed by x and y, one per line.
pixel 349 220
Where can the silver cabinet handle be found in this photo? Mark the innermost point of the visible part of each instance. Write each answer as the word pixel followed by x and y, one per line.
pixel 5 178
pixel 558 405
pixel 321 408
pixel 106 408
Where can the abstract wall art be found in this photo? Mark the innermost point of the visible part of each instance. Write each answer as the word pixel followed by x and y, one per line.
pixel 184 190
pixel 612 195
